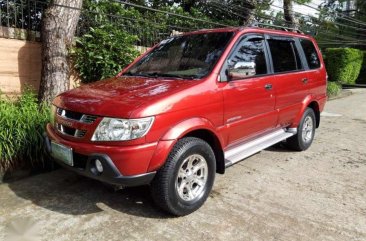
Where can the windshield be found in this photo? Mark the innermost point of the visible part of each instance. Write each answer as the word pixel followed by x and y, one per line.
pixel 187 56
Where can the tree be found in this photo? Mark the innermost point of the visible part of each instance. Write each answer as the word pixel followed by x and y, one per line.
pixel 288 11
pixel 58 29
pixel 289 14
pixel 248 7
pixel 232 12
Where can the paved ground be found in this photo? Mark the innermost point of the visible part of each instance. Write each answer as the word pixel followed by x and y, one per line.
pixel 319 194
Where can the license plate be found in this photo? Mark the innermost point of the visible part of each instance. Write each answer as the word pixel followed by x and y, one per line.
pixel 62 153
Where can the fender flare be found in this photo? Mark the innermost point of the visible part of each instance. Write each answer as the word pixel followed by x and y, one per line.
pixel 305 103
pixel 189 125
pixel 167 142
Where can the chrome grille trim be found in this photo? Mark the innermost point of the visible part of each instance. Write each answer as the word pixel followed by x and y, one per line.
pixel 80 133
pixel 88 119
pixel 59 111
pixel 84 118
pixel 77 133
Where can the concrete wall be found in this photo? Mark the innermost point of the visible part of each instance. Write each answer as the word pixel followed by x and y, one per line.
pixel 20 65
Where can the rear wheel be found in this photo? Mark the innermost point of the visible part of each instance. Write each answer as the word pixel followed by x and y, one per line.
pixel 183 184
pixel 305 132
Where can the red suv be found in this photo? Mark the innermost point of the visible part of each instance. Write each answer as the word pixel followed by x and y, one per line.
pixel 190 107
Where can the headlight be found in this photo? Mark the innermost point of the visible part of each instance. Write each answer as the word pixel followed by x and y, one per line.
pixel 52 115
pixel 111 129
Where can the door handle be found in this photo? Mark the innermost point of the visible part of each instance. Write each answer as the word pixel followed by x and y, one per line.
pixel 268 86
pixel 305 80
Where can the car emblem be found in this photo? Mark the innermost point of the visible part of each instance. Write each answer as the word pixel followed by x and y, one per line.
pixel 66 123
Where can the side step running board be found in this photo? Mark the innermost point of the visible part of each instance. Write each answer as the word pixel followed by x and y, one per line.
pixel 247 149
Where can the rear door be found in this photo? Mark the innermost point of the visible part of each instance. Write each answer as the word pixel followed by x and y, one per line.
pixel 316 73
pixel 249 100
pixel 290 77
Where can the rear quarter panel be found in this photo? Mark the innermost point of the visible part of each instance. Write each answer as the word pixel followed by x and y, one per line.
pixel 318 80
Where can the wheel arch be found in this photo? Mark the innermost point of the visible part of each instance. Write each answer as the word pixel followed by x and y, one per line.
pixel 215 144
pixel 193 127
pixel 309 102
pixel 315 106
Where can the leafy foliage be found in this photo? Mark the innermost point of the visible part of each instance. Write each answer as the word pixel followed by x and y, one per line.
pixel 333 24
pixel 21 134
pixel 362 77
pixel 103 52
pixel 333 89
pixel 230 12
pixel 343 64
pixel 108 32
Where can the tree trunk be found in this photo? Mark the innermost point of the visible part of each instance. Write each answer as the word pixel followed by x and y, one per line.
pixel 188 5
pixel 249 6
pixel 58 29
pixel 289 14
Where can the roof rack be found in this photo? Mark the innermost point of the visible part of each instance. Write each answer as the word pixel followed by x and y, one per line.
pixel 283 28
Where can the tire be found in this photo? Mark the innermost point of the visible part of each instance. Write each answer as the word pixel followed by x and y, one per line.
pixel 305 132
pixel 176 188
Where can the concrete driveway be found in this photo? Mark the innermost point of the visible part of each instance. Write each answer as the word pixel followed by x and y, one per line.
pixel 277 194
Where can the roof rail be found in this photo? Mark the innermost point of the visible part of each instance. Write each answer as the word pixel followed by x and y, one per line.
pixel 283 28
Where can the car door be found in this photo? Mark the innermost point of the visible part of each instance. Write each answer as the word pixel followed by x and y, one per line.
pixel 316 73
pixel 290 77
pixel 249 100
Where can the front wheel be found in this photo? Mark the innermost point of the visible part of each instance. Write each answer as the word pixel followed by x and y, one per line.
pixel 183 184
pixel 305 132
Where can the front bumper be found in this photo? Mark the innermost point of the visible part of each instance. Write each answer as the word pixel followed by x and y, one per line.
pixel 84 156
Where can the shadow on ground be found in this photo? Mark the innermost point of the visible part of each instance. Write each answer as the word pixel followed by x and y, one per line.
pixel 68 193
pixel 279 147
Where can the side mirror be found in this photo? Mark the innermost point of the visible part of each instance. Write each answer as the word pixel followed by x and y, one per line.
pixel 241 70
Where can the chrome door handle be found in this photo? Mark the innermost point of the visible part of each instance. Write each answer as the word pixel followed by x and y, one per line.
pixel 268 86
pixel 305 80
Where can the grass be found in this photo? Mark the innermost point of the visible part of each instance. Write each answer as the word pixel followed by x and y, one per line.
pixel 22 124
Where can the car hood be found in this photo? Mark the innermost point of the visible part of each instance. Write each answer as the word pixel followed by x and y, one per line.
pixel 119 96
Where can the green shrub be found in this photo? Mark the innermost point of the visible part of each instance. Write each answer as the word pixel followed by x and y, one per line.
pixel 362 77
pixel 22 125
pixel 333 89
pixel 343 64
pixel 103 52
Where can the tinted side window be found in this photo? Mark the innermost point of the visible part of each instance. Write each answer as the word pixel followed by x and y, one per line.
pixel 250 56
pixel 310 53
pixel 285 56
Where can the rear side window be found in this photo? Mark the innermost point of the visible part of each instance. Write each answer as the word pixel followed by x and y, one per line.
pixel 285 56
pixel 310 53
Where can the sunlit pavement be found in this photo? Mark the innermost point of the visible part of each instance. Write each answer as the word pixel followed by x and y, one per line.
pixel 275 195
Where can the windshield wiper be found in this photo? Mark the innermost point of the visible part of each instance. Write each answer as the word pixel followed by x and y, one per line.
pixel 136 74
pixel 128 73
pixel 179 76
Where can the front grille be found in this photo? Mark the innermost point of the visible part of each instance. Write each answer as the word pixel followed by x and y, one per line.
pixel 66 130
pixel 88 119
pixel 80 133
pixel 72 115
pixel 70 131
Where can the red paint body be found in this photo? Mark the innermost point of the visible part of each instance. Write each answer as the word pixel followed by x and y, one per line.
pixel 183 106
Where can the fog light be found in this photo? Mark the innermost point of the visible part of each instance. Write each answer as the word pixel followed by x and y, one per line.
pixel 98 165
